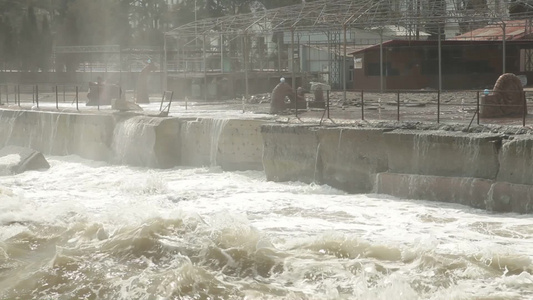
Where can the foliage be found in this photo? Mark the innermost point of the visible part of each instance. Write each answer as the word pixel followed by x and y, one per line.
pixel 29 28
pixel 517 8
pixel 436 11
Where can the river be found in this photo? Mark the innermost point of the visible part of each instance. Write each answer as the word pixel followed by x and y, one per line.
pixel 92 230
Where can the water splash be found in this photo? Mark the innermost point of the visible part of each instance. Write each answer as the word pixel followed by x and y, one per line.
pixel 188 125
pixel 8 120
pixel 134 142
pixel 53 122
pixel 469 146
pixel 379 108
pixel 171 235
pixel 317 172
pixel 490 202
pixel 421 149
pixel 217 127
pixel 339 146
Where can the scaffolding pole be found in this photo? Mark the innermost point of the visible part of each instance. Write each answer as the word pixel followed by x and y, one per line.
pixel 205 69
pixel 165 70
pixel 245 48
pixel 292 61
pixel 344 65
pixel 440 59
pixel 381 60
pixel 503 48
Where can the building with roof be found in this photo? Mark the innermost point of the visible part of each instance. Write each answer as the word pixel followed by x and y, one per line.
pixel 251 51
pixel 510 30
pixel 469 61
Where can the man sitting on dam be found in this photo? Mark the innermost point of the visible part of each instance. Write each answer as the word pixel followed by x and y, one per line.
pixel 282 90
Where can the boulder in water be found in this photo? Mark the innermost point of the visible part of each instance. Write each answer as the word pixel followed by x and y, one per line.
pixel 15 160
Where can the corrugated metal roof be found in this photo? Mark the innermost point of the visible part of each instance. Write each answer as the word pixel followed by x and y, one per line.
pixel 434 43
pixel 349 49
pixel 399 31
pixel 514 30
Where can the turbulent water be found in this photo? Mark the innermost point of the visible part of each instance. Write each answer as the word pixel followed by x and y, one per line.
pixel 88 230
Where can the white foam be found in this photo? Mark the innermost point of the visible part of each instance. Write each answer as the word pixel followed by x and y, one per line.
pixel 10 159
pixel 332 245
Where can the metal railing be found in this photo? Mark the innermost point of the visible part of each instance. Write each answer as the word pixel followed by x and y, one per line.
pixel 35 94
pixel 54 96
pixel 167 96
pixel 464 106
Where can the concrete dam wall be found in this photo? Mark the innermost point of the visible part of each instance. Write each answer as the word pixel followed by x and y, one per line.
pixel 136 140
pixel 489 171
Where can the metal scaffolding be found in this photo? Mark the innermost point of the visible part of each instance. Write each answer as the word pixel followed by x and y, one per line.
pixel 111 58
pixel 270 41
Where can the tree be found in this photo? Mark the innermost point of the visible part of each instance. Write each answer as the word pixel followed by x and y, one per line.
pixel 519 8
pixel 6 40
pixel 121 23
pixel 28 41
pixel 270 4
pixel 435 14
pixel 184 13
pixel 219 8
pixel 148 17
pixel 45 45
pixel 93 22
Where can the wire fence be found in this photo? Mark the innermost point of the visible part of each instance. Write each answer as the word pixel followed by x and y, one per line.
pixel 458 107
pixel 34 94
pixel 463 107
pixel 49 96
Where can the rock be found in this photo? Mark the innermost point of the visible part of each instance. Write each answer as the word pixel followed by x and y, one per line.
pixel 523 80
pixel 142 83
pixel 102 93
pixel 419 104
pixel 507 99
pixel 318 90
pixel 320 86
pixel 279 93
pixel 253 100
pixel 15 160
pixel 123 105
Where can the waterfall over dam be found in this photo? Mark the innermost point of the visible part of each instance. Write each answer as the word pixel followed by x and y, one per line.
pixel 483 170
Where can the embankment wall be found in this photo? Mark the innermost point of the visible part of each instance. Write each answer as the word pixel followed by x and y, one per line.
pixel 489 171
pixel 138 140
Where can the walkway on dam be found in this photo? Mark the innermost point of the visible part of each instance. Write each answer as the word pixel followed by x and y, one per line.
pixel 456 108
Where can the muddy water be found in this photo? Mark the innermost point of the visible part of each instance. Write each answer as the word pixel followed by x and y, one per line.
pixel 88 230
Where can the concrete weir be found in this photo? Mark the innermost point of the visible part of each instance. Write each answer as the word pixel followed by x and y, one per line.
pixel 488 171
pixel 137 140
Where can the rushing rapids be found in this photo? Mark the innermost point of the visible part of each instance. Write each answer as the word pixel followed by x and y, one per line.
pixel 92 230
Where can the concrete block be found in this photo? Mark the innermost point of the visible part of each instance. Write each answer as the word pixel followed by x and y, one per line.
pixel 468 191
pixel 291 153
pixel 230 143
pixel 516 160
pixel 509 197
pixel 443 153
pixel 351 157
